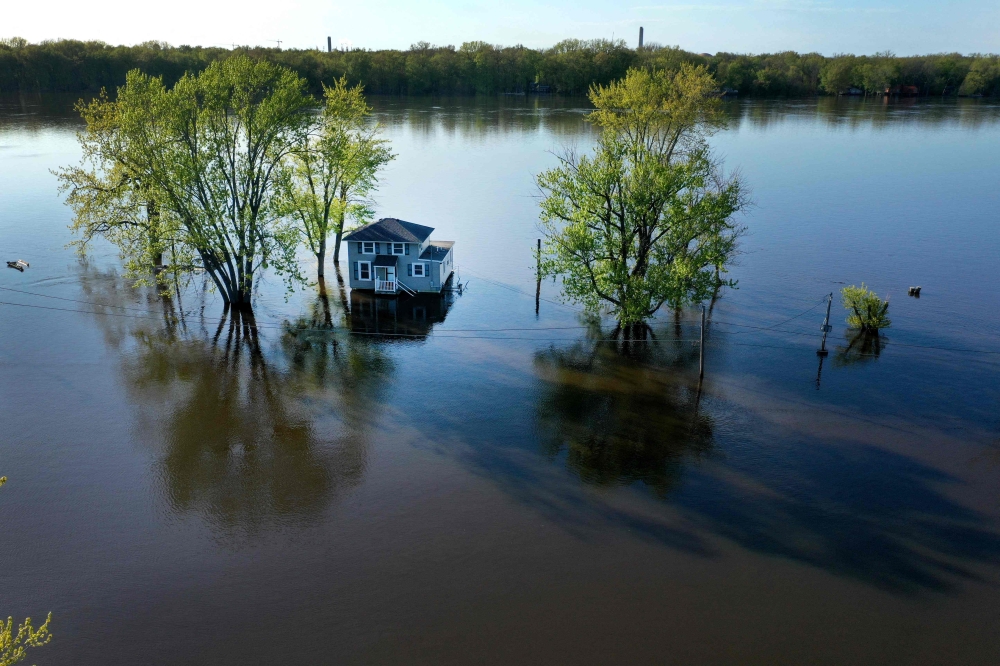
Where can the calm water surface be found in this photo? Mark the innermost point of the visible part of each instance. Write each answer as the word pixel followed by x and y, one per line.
pixel 491 485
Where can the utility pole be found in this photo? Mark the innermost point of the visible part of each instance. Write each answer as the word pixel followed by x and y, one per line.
pixel 701 344
pixel 826 327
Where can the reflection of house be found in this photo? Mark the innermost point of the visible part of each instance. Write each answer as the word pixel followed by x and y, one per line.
pixel 390 256
pixel 403 317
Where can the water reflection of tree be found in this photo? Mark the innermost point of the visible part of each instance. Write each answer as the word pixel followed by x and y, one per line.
pixel 861 347
pixel 352 371
pixel 241 440
pixel 622 413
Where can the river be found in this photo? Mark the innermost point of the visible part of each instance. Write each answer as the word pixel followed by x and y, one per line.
pixel 466 480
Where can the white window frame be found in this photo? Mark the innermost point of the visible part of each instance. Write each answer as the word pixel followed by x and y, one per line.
pixel 392 248
pixel 367 244
pixel 362 265
pixel 423 269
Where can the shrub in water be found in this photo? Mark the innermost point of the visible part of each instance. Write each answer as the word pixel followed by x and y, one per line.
pixel 866 311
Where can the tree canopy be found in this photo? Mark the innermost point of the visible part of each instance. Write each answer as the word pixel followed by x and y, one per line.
pixel 198 163
pixel 334 172
pixel 476 67
pixel 648 218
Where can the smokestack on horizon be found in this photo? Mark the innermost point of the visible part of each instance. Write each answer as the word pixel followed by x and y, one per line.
pixel 640 36
pixel 329 44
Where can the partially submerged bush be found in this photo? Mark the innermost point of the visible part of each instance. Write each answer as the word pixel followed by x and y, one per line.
pixel 14 647
pixel 866 311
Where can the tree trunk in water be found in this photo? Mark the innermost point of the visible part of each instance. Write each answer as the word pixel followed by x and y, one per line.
pixel 343 291
pixel 321 259
pixel 325 304
pixel 340 227
pixel 336 245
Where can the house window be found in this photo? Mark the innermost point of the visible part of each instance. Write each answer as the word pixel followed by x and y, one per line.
pixel 362 270
pixel 418 270
pixel 367 248
pixel 397 248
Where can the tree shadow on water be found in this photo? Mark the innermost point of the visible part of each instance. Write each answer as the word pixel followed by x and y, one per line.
pixel 620 412
pixel 855 507
pixel 235 429
pixel 858 511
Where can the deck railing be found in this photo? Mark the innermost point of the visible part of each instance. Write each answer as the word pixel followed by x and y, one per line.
pixel 385 286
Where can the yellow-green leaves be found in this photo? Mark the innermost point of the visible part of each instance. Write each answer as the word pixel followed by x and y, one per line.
pixel 658 109
pixel 865 310
pixel 334 172
pixel 195 168
pixel 647 219
pixel 14 647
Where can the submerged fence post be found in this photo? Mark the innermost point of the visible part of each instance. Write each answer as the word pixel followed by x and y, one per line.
pixel 701 344
pixel 826 328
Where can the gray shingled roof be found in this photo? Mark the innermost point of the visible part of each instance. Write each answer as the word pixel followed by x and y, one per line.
pixel 437 250
pixel 391 230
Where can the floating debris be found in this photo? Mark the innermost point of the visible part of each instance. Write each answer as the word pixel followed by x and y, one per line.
pixel 20 264
pixel 913 291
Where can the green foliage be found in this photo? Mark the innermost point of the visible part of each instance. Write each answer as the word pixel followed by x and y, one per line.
pixel 207 157
pixel 114 202
pixel 570 67
pixel 14 647
pixel 866 311
pixel 335 170
pixel 647 219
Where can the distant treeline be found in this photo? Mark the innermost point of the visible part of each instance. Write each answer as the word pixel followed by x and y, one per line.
pixel 569 67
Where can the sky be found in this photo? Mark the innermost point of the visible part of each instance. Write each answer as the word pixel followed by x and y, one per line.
pixel 744 26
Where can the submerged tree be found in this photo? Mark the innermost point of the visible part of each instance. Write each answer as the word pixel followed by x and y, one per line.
pixel 112 201
pixel 208 153
pixel 336 170
pixel 866 311
pixel 648 219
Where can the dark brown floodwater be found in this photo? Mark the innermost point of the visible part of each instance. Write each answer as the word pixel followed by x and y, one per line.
pixel 478 484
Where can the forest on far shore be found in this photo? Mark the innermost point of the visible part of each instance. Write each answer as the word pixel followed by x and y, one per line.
pixel 569 68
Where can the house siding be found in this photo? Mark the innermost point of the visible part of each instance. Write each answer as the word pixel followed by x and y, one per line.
pixel 437 271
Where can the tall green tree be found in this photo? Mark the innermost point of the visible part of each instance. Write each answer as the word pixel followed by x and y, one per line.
pixel 648 218
pixel 111 201
pixel 336 170
pixel 210 152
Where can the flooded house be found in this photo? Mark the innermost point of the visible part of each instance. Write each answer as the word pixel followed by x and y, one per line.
pixel 393 256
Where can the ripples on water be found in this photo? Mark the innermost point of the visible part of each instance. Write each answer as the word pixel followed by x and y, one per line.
pixel 455 478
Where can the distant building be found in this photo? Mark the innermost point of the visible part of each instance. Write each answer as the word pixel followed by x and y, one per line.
pixel 852 91
pixel 539 88
pixel 903 91
pixel 392 256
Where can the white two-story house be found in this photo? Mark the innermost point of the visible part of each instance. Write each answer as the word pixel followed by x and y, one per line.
pixel 392 256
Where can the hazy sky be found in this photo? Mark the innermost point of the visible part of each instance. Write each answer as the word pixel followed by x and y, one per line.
pixel 827 26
